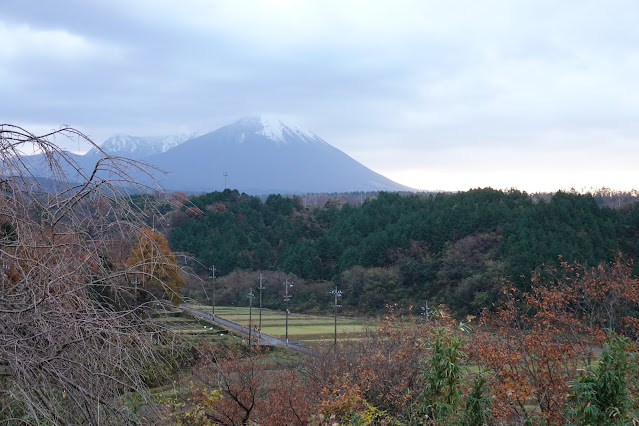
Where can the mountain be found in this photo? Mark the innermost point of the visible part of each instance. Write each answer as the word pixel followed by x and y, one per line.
pixel 254 155
pixel 261 156
pixel 139 147
pixel 81 166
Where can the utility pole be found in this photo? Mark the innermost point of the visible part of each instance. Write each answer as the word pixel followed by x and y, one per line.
pixel 212 296
pixel 135 283
pixel 337 293
pixel 426 310
pixel 287 297
pixel 250 325
pixel 260 288
pixel 225 174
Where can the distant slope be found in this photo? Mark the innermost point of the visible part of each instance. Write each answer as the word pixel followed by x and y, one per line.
pixel 261 157
pixel 258 157
pixel 454 248
pixel 139 147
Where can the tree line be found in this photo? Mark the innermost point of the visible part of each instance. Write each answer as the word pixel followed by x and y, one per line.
pixel 453 248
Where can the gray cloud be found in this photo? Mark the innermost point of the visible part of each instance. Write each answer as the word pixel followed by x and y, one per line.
pixel 409 79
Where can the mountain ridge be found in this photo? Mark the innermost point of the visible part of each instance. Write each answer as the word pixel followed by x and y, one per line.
pixel 261 156
pixel 254 155
pixel 139 146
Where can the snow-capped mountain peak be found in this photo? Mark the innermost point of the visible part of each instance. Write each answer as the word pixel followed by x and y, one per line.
pixel 138 147
pixel 255 155
pixel 276 130
pixel 262 156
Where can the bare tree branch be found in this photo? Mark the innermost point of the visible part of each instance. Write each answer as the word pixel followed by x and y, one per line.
pixel 72 339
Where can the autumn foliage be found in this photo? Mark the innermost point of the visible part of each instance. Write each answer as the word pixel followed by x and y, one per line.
pixel 535 343
pixel 562 353
pixel 155 266
pixel 232 386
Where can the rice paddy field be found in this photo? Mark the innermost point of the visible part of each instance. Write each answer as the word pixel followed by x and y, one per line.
pixel 190 328
pixel 309 328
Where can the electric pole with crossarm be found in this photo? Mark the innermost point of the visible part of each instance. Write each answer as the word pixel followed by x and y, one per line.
pixel 250 324
pixel 287 297
pixel 260 288
pixel 212 297
pixel 337 293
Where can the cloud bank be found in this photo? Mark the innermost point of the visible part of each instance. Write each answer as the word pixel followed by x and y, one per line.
pixel 436 95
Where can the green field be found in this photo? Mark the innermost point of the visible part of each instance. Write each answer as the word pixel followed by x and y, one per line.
pixel 300 327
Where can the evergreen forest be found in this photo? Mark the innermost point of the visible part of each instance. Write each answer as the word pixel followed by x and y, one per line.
pixel 454 249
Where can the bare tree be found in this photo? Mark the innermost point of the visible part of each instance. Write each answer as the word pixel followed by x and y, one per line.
pixel 72 343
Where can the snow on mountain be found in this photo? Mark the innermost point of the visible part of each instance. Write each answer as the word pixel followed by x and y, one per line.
pixel 264 155
pixel 139 147
pixel 254 155
pixel 275 130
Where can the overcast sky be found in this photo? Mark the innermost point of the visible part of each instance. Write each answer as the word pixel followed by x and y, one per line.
pixel 538 95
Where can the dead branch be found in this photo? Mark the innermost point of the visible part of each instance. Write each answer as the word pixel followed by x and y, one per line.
pixel 72 342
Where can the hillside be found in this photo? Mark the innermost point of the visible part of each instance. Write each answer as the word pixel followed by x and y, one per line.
pixel 254 155
pixel 258 156
pixel 448 248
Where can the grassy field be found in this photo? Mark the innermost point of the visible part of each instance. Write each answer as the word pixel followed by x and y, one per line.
pixel 300 327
